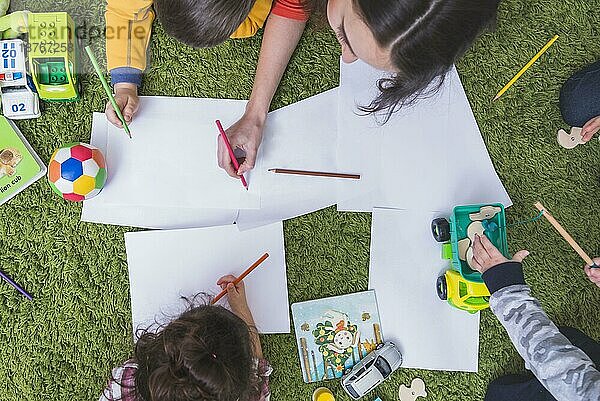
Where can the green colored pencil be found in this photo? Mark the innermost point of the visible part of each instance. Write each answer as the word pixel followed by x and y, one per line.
pixel 107 89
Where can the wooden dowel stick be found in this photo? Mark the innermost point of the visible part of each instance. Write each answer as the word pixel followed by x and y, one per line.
pixel 564 234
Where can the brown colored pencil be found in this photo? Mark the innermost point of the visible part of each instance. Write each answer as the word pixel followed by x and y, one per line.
pixel 241 277
pixel 315 173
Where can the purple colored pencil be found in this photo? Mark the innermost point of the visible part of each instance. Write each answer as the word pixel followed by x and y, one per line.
pixel 17 286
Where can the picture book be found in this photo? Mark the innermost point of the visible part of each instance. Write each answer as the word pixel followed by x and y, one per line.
pixel 20 166
pixel 335 333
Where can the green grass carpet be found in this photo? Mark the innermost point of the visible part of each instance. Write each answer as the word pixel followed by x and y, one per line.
pixel 63 345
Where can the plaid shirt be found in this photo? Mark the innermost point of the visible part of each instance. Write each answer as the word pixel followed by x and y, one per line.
pixel 121 385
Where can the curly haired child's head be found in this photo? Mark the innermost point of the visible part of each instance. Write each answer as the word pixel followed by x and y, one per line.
pixel 203 355
pixel 202 23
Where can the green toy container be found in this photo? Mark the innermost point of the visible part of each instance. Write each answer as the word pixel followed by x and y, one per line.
pixel 459 221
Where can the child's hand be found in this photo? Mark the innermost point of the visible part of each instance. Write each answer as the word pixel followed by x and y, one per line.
pixel 246 134
pixel 127 98
pixel 590 129
pixel 593 273
pixel 486 255
pixel 236 295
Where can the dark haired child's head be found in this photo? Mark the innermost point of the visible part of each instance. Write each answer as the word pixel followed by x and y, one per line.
pixel 418 41
pixel 204 354
pixel 202 23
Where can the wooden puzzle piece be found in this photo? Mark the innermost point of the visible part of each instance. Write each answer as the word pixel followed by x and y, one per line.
pixel 463 246
pixel 485 213
pixel 570 140
pixel 475 227
pixel 470 257
pixel 465 249
pixel 416 390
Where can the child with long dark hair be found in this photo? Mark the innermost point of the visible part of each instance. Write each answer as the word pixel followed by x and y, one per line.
pixel 208 353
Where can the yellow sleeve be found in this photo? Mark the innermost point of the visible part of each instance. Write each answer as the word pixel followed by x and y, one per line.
pixel 128 29
pixel 255 20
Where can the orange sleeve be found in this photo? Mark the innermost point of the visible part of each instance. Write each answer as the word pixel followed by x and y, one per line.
pixel 293 9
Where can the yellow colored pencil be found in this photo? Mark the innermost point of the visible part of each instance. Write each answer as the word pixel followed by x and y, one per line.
pixel 527 66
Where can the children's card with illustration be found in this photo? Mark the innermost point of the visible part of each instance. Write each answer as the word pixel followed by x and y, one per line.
pixel 20 166
pixel 335 333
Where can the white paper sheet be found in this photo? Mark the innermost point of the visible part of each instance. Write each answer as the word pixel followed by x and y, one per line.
pixel 164 265
pixel 359 135
pixel 300 136
pixel 97 210
pixel 405 263
pixel 171 161
pixel 291 140
pixel 427 157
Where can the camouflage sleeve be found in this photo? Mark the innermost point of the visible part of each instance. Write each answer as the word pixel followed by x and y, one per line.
pixel 565 370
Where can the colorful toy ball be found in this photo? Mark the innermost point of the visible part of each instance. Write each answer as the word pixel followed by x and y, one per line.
pixel 77 171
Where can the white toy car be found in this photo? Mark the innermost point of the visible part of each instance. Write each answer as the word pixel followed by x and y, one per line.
pixel 372 370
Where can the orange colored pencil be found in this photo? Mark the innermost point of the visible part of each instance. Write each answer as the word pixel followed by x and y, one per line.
pixel 241 277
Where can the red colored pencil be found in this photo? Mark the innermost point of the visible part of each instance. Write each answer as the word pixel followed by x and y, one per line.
pixel 231 155
pixel 241 277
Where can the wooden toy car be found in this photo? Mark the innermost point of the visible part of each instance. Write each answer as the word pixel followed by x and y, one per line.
pixel 372 370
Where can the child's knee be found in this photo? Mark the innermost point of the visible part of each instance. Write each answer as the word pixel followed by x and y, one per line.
pixel 579 96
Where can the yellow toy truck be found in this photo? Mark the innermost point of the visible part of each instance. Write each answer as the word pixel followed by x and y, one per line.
pixel 462 286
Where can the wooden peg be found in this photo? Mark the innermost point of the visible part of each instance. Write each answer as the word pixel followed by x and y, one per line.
pixel 564 234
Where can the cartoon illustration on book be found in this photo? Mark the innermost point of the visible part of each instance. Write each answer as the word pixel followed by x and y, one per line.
pixel 335 333
pixel 337 338
pixel 20 166
pixel 9 158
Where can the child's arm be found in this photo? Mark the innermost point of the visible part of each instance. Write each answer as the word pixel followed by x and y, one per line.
pixel 128 29
pixel 565 370
pixel 236 295
pixel 279 41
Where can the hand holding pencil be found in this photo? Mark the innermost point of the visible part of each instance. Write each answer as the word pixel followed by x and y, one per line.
pixel 111 98
pixel 236 281
pixel 230 151
pixel 245 135
pixel 128 101
pixel 236 294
